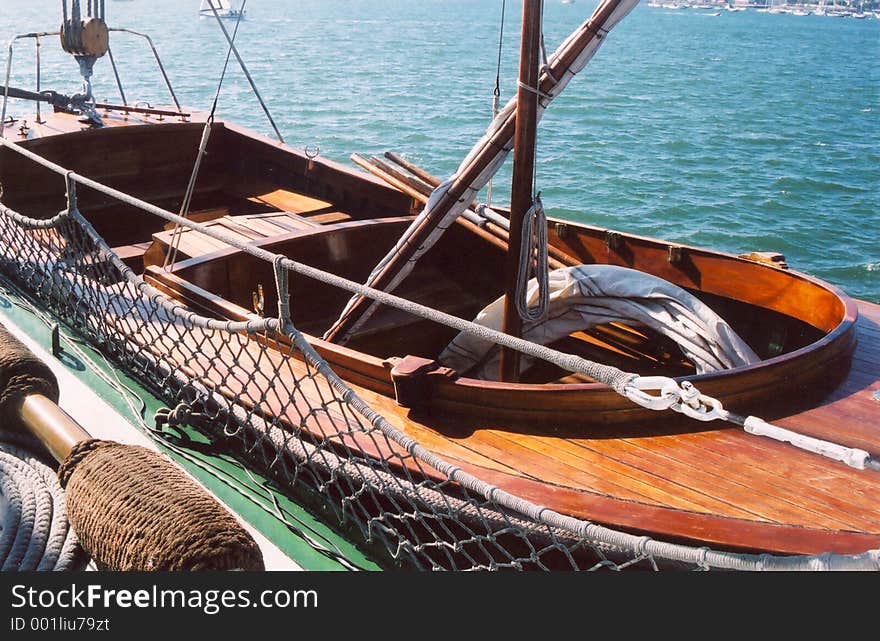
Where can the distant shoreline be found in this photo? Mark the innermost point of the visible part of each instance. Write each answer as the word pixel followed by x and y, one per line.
pixel 793 8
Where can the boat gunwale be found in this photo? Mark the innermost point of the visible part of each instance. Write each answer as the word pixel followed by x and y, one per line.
pixel 847 314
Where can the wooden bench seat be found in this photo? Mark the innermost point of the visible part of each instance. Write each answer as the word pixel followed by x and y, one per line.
pixel 245 228
pixel 315 209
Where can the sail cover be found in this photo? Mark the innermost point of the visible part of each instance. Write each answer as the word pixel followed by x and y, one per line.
pixel 437 216
pixel 589 295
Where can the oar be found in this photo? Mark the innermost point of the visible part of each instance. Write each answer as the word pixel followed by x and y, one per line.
pixel 130 507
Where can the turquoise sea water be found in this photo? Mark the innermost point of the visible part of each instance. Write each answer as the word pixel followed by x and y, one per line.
pixel 739 132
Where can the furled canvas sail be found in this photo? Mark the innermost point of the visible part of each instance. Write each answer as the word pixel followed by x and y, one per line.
pixel 589 295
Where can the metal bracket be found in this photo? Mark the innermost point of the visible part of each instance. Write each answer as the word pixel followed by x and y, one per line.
pixel 561 230
pixel 676 254
pixel 613 240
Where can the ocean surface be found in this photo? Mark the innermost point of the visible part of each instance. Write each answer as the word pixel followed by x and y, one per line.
pixel 740 132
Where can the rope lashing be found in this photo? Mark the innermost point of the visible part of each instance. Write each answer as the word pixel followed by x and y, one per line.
pixel 283 290
pixel 533 256
pixel 182 414
pixel 535 91
pixel 21 374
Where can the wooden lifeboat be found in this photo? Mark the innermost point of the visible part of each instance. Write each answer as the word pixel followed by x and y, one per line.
pixel 802 329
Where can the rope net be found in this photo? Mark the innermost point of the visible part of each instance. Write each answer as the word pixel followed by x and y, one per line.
pixel 259 388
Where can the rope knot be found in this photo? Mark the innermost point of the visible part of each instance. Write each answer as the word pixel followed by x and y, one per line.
pixel 180 415
pixel 77 455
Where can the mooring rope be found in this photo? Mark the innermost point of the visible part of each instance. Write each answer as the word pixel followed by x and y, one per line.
pixel 35 534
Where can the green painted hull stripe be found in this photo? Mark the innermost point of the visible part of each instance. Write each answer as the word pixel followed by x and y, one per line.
pixel 226 479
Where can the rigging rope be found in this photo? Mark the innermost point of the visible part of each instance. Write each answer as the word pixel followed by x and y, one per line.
pixel 533 258
pixel 244 66
pixel 171 256
pixel 496 93
pixel 533 250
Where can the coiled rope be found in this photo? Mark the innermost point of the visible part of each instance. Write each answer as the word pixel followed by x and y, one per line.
pixel 35 534
pixel 533 258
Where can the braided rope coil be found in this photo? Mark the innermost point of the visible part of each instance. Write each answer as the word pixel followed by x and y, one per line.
pixel 34 531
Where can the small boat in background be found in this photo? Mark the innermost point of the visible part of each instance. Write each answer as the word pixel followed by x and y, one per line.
pixel 223 8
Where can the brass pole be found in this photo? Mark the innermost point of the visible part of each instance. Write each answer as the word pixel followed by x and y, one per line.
pixel 51 425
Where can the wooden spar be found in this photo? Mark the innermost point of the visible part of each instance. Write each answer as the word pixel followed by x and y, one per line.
pixel 521 192
pixel 558 258
pixel 51 425
pixel 585 34
pixel 420 191
pixel 413 169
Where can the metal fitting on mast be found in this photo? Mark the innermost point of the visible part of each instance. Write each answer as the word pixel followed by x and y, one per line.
pixel 86 39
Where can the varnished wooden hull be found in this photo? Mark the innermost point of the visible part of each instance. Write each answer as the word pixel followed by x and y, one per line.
pixel 795 379
pixel 577 448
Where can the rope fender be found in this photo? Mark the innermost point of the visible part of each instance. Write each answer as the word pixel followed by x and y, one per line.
pixel 159 521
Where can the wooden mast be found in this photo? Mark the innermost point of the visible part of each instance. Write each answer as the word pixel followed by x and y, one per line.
pixel 565 57
pixel 521 192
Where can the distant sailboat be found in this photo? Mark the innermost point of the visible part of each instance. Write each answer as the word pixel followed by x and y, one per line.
pixel 224 9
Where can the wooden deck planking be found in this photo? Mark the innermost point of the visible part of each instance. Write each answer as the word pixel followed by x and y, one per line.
pixel 253 369
pixel 555 468
pixel 773 457
pixel 714 472
pixel 743 477
pixel 695 471
pixel 246 228
pixel 636 483
pixel 811 478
